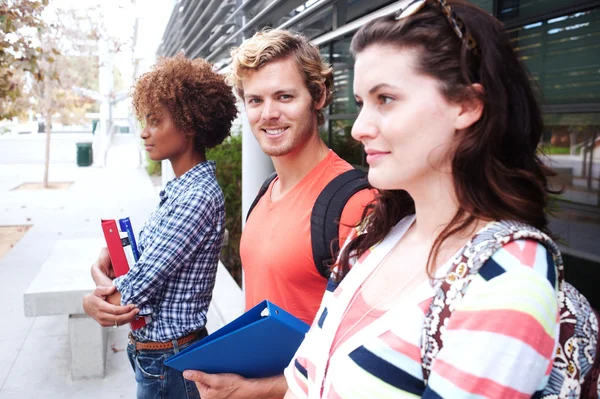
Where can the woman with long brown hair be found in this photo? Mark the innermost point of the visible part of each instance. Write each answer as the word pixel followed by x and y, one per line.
pixel 450 126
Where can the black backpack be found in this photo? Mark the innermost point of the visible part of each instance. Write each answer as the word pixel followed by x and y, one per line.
pixel 326 213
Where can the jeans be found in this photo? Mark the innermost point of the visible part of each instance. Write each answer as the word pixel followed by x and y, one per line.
pixel 157 381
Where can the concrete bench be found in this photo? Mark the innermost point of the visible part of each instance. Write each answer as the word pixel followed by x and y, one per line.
pixel 58 288
pixel 64 279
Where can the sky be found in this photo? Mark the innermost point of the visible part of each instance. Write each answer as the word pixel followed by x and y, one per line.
pixel 119 19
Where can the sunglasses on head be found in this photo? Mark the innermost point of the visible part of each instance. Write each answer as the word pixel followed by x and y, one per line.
pixel 455 22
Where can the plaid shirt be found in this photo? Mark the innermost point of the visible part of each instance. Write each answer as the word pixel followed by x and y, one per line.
pixel 179 248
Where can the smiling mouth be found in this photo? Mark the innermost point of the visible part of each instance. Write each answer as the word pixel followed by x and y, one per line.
pixel 274 132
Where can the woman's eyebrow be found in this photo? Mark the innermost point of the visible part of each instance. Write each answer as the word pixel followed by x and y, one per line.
pixel 381 86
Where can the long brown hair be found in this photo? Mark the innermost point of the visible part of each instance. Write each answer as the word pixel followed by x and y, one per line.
pixel 495 168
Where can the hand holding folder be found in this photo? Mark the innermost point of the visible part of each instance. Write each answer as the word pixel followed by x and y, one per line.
pixel 260 343
pixel 118 258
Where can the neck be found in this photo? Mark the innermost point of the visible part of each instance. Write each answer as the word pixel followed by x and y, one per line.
pixel 435 205
pixel 293 167
pixel 186 161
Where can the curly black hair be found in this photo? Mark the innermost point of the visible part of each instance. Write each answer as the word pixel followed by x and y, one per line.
pixel 201 104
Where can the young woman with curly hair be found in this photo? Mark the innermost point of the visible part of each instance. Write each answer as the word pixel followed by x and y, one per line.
pixel 185 108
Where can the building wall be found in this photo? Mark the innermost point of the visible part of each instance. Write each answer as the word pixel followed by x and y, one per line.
pixel 558 40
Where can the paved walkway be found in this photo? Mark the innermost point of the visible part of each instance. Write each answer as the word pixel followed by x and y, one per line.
pixel 34 352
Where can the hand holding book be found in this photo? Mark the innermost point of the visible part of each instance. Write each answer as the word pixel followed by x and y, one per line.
pixel 121 258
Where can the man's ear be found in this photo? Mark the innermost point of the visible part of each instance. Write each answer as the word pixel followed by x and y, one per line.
pixel 321 102
pixel 471 108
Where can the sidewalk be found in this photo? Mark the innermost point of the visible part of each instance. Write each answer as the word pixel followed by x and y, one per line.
pixel 34 352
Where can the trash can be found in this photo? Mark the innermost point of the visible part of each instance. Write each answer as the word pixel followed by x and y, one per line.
pixel 84 154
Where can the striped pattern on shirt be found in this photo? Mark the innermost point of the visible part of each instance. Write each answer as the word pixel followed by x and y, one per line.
pixel 498 343
pixel 179 252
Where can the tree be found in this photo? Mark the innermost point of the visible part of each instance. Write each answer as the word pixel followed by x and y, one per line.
pixel 18 54
pixel 69 65
pixel 70 61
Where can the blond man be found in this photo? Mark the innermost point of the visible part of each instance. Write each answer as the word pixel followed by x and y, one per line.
pixel 285 85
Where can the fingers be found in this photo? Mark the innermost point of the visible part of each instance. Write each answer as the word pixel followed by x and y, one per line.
pixel 116 310
pixel 105 264
pixel 104 257
pixel 105 313
pixel 104 291
pixel 100 276
pixel 200 379
pixel 193 375
pixel 127 317
pixel 214 381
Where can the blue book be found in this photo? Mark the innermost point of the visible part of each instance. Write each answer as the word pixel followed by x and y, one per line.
pixel 259 343
pixel 125 226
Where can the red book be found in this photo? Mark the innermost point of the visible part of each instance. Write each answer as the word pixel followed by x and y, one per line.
pixel 118 258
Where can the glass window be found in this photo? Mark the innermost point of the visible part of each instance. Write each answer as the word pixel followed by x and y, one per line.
pixel 324 50
pixel 343 77
pixel 343 144
pixel 527 9
pixel 487 5
pixel 572 147
pixel 359 8
pixel 315 25
pixel 563 55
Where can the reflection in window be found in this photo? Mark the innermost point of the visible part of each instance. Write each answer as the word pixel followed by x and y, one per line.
pixel 571 145
pixel 521 9
pixel 359 8
pixel 563 55
pixel 343 75
pixel 486 5
pixel 343 144
pixel 315 25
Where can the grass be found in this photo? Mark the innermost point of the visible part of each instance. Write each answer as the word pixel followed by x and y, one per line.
pixel 554 150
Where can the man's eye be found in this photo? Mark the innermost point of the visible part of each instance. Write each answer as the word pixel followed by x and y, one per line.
pixel 254 101
pixel 359 104
pixel 285 96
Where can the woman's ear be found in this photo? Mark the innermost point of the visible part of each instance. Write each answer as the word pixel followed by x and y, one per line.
pixel 471 108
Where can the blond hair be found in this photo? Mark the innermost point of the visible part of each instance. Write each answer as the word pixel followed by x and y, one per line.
pixel 277 44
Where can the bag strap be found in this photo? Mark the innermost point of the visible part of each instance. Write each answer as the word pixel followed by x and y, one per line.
pixel 467 264
pixel 326 215
pixel 590 387
pixel 263 189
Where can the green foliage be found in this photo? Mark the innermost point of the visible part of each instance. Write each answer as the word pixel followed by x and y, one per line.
pixel 228 157
pixel 343 144
pixel 549 149
pixel 154 168
pixel 18 54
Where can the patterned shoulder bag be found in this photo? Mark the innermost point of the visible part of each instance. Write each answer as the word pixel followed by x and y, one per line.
pixel 576 364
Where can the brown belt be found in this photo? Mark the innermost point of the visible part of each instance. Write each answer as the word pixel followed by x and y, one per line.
pixel 155 346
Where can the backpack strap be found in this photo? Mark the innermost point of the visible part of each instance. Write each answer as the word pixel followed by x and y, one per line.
pixel 263 189
pixel 326 215
pixel 466 266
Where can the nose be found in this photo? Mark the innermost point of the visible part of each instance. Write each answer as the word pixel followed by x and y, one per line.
pixel 144 133
pixel 270 110
pixel 364 127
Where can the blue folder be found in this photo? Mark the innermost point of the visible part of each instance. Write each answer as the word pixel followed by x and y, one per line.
pixel 259 343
